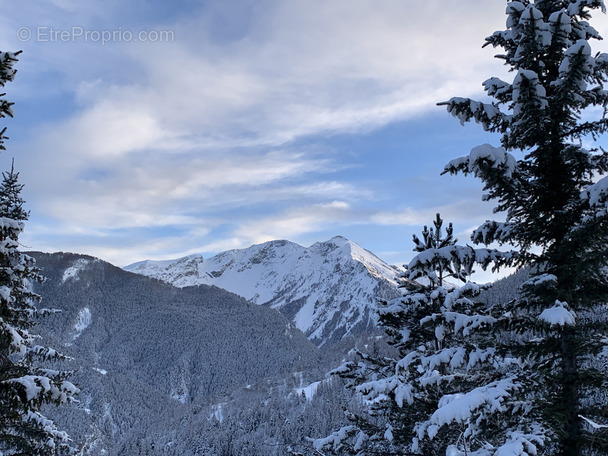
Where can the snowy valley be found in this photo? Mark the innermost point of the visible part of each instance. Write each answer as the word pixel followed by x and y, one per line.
pixel 195 369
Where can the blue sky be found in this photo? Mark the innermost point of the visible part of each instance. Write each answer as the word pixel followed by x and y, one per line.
pixel 242 121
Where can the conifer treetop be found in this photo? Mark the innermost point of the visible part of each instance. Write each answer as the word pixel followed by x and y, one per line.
pixel 543 118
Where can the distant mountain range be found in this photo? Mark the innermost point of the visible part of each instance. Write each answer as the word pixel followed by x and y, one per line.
pixel 328 290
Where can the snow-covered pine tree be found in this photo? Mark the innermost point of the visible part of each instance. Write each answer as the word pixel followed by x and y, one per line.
pixel 555 203
pixel 24 385
pixel 7 74
pixel 442 392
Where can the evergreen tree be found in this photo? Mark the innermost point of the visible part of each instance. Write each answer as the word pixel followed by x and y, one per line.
pixel 7 74
pixel 24 385
pixel 555 203
pixel 442 390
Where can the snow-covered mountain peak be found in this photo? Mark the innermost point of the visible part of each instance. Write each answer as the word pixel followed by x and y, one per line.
pixel 344 249
pixel 328 290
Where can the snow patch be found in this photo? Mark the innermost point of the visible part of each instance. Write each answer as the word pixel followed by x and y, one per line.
pixel 217 412
pixel 101 371
pixel 83 321
pixel 304 319
pixel 72 272
pixel 308 391
pixel 181 395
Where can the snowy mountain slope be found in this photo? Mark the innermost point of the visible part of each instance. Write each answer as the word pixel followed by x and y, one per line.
pixel 149 356
pixel 328 290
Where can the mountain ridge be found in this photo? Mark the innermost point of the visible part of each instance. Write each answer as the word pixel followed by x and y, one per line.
pixel 329 290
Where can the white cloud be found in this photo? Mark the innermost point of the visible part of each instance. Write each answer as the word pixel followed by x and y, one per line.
pixel 182 132
pixel 294 222
pixel 464 213
pixel 304 68
pixel 154 190
pixel 311 67
pixel 222 245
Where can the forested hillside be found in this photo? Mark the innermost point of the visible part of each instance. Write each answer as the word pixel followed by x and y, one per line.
pixel 190 371
pixel 151 357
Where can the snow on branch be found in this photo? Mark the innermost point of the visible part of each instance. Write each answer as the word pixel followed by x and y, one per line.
pixel 7 74
pixel 577 66
pixel 487 114
pixel 37 387
pixel 498 88
pixel 11 224
pixel 461 408
pixel 597 195
pixel 542 280
pixel 467 323
pixel 517 444
pixel 7 61
pixel 379 390
pixel 335 440
pixel 561 22
pixel 539 285
pixel 532 18
pixel 576 8
pixel 454 258
pixel 48 426
pixel 481 159
pixel 485 257
pixel 48 354
pixel 595 426
pixel 558 315
pixel 20 339
pixel 520 444
pixel 491 231
pixel 527 88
